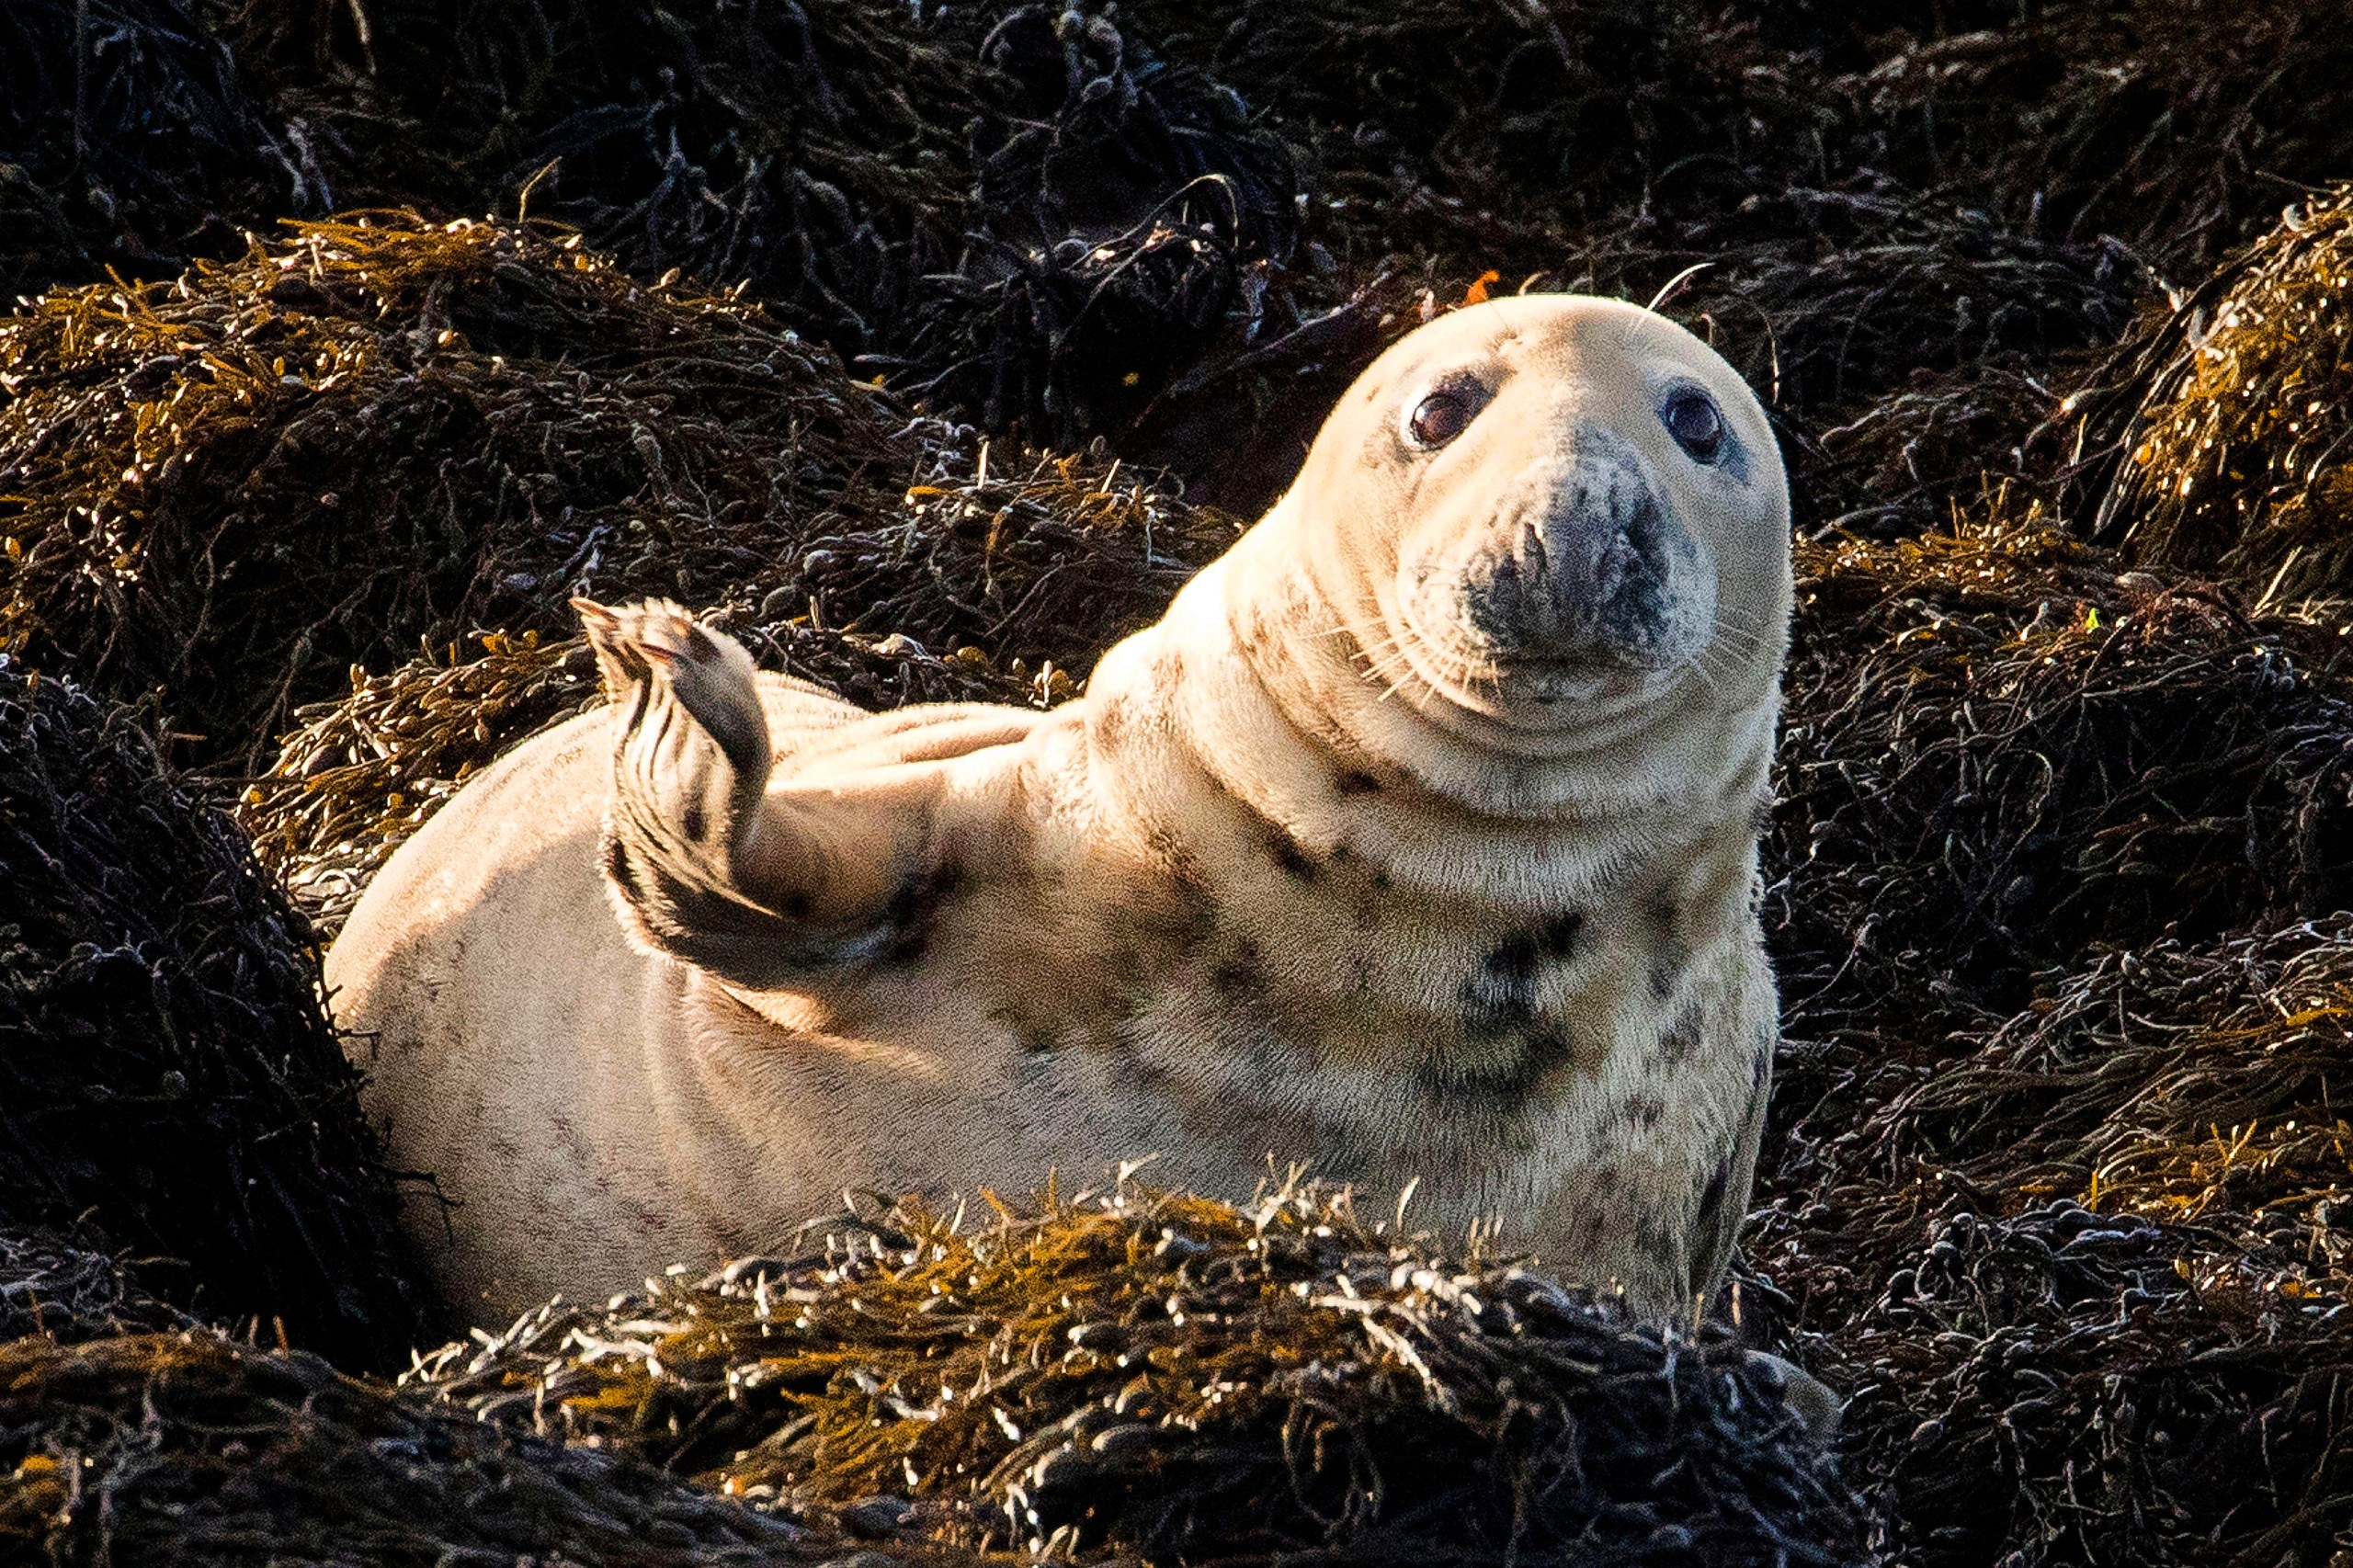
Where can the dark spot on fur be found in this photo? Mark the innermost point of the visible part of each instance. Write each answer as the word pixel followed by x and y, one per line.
pixel 1290 855
pixel 1039 1042
pixel 1353 782
pixel 1670 1248
pixel 1381 881
pixel 1109 724
pixel 1501 997
pixel 1168 671
pixel 694 823
pixel 1644 1111
pixel 1668 954
pixel 914 910
pixel 1285 850
pixel 1175 910
pixel 1498 1005
pixel 1541 1053
pixel 1680 1042
pixel 1177 861
pixel 796 905
pixel 1237 977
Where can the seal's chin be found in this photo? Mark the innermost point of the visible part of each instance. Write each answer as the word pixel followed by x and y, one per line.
pixel 1548 681
pixel 1527 690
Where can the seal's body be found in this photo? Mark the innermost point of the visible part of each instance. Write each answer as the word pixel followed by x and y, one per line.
pixel 1417 841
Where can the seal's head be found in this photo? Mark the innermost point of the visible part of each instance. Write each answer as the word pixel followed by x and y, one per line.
pixel 1539 512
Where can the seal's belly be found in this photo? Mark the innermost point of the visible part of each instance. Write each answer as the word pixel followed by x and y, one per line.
pixel 1588 1083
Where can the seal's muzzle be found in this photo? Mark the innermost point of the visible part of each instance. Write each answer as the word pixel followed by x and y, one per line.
pixel 1589 569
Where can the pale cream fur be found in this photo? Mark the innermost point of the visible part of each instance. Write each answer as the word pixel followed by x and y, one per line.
pixel 1297 877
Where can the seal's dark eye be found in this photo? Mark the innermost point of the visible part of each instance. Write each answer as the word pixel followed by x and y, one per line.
pixel 1691 419
pixel 1439 418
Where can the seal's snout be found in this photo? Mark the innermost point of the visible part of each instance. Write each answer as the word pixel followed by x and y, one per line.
pixel 1590 568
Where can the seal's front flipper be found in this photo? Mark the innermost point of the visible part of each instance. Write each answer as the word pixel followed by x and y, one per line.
pixel 705 862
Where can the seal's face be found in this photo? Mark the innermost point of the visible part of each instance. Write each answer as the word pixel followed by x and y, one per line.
pixel 1553 506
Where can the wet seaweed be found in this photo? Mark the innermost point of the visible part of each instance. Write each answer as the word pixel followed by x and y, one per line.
pixel 2234 462
pixel 1022 209
pixel 52 1288
pixel 2002 748
pixel 131 139
pixel 168 1081
pixel 1130 1373
pixel 194 1448
pixel 2085 1269
pixel 1869 194
pixel 230 489
pixel 224 493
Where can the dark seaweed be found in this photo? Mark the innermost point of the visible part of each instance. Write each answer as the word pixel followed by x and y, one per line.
pixel 168 1083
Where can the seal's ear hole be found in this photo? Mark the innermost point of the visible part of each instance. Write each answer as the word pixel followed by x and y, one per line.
pixel 1439 418
pixel 1691 417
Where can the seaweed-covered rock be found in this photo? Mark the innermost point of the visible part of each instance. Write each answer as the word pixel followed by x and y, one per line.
pixel 2175 125
pixel 1849 196
pixel 382 431
pixel 2087 1270
pixel 131 139
pixel 1021 207
pixel 167 1078
pixel 1790 207
pixel 2062 1387
pixel 1131 1373
pixel 236 487
pixel 2182 1080
pixel 190 1449
pixel 1999 750
pixel 2235 462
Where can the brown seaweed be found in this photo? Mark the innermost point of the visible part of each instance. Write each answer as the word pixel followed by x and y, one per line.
pixel 224 494
pixel 2085 1270
pixel 195 1450
pixel 2234 462
pixel 1128 1372
pixel 1021 209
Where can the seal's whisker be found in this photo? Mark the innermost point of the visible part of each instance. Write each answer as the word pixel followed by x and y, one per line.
pixel 1385 662
pixel 1373 656
pixel 1734 646
pixel 1727 627
pixel 1726 659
